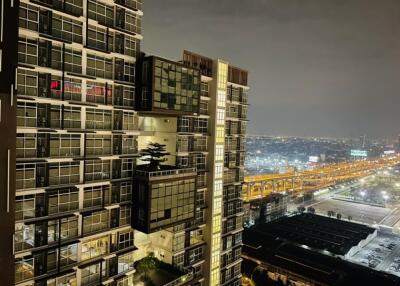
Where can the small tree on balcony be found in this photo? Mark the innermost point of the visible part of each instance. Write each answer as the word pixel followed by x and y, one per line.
pixel 155 155
pixel 146 264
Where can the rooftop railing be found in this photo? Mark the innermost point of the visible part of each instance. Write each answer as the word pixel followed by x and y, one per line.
pixel 161 173
pixel 181 280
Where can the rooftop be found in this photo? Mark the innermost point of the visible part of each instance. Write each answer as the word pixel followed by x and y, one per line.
pixel 297 245
pixel 271 198
pixel 165 170
pixel 319 232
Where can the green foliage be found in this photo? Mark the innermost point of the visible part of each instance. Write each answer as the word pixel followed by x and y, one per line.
pixel 260 278
pixel 147 264
pixel 311 210
pixel 301 209
pixel 155 155
pixel 331 213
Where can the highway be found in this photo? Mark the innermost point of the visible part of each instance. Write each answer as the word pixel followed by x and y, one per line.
pixel 322 176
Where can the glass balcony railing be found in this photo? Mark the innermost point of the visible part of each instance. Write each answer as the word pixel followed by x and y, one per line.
pixel 168 172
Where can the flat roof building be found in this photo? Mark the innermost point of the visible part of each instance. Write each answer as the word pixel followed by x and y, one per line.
pixel 310 250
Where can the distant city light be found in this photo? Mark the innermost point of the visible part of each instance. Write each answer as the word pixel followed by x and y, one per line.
pixel 358 153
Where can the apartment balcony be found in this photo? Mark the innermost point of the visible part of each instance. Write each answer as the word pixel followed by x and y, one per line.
pixel 35 146
pixel 132 4
pixel 201 180
pixel 167 173
pixel 124 96
pixel 125 145
pixel 231 258
pixel 35 207
pixel 233 208
pixel 243 112
pixel 127 21
pixel 233 279
pixel 242 128
pixel 71 89
pixel 197 221
pixel 193 239
pixel 244 97
pixel 232 192
pixel 164 275
pixel 47 266
pixel 230 145
pixel 194 255
pixel 34 115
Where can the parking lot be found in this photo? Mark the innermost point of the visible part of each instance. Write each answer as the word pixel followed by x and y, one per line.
pixel 358 212
pixel 382 253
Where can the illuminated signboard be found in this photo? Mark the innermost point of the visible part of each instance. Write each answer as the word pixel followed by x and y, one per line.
pixel 359 153
pixel 313 159
pixel 389 152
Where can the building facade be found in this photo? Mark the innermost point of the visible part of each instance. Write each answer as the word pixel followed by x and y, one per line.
pixel 78 101
pixel 70 188
pixel 265 209
pixel 224 95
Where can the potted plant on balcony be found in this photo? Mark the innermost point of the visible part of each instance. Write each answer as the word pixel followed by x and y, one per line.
pixel 154 154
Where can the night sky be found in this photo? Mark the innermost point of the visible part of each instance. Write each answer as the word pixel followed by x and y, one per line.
pixel 317 67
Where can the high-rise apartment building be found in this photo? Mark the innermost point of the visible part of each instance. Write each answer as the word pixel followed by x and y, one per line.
pixel 198 109
pixel 68 89
pixel 78 101
pixel 223 105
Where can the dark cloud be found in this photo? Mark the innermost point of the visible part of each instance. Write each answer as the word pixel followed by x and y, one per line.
pixel 317 67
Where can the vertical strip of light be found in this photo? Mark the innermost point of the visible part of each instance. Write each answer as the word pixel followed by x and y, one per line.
pixel 216 232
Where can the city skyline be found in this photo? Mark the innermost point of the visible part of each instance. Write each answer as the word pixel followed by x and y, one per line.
pixel 318 68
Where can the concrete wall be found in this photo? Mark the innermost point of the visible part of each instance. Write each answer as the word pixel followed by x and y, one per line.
pixel 159 130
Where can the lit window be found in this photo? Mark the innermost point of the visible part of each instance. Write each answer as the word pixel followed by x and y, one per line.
pixel 216 241
pixel 219 153
pixel 217 205
pixel 216 223
pixel 219 168
pixel 219 136
pixel 215 277
pixel 215 259
pixel 217 188
pixel 220 117
pixel 221 98
pixel 95 248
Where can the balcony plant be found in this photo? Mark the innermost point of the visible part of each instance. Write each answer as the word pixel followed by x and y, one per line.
pixel 154 154
pixel 151 271
pixel 146 264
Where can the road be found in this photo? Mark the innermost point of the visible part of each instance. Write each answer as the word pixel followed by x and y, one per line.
pixel 392 218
